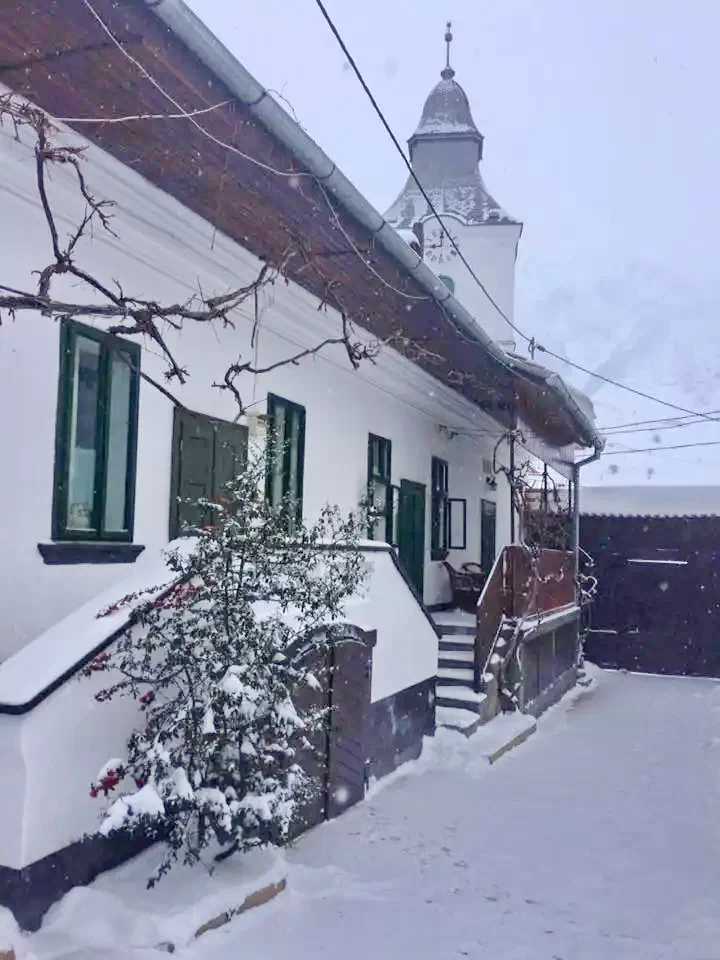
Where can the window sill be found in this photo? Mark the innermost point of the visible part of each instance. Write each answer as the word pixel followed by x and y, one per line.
pixel 73 551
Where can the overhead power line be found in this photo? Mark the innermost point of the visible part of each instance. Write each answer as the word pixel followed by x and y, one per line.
pixel 662 449
pixel 531 341
pixel 658 428
pixel 656 420
pixel 633 390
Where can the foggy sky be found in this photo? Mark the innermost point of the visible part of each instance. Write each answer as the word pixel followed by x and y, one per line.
pixel 602 136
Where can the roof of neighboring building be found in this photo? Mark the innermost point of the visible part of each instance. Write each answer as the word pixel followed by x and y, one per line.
pixel 449 167
pixel 650 501
pixel 273 186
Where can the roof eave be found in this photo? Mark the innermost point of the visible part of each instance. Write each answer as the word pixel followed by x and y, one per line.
pixel 193 33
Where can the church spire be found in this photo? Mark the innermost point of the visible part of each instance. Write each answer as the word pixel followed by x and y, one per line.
pixel 448 73
pixel 445 153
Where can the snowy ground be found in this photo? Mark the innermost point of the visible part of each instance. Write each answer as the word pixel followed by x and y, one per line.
pixel 598 838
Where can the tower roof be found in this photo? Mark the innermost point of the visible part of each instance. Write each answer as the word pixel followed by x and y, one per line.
pixel 447 111
pixel 445 152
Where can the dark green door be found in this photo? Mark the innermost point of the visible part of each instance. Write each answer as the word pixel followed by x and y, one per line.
pixel 206 454
pixel 488 512
pixel 411 532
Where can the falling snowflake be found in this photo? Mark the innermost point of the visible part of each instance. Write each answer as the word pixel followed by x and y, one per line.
pixel 342 796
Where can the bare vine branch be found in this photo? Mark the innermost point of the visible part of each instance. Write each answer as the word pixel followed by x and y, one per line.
pixel 138 316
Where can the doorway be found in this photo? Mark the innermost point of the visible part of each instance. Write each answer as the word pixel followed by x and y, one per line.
pixel 411 532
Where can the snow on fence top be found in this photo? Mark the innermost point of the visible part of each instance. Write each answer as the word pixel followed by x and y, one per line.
pixel 650 501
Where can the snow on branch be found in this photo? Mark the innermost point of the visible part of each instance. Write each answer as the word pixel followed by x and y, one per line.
pixel 217 664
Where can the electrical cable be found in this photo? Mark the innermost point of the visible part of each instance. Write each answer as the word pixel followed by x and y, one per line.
pixel 531 341
pixel 661 449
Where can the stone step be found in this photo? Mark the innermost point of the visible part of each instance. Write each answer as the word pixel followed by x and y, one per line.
pixel 457 643
pixel 443 682
pixel 460 658
pixel 447 662
pixel 457 718
pixel 461 698
pixel 456 629
pixel 456 674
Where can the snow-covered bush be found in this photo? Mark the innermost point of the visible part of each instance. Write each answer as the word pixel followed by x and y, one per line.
pixel 214 661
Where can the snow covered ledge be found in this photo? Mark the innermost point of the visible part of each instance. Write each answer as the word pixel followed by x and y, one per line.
pixel 54 735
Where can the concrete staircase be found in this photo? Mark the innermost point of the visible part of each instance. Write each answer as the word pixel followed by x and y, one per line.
pixel 458 706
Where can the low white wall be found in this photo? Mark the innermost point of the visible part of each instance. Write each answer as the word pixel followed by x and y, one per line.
pixel 164 252
pixel 406 651
pixel 51 754
pixel 13 790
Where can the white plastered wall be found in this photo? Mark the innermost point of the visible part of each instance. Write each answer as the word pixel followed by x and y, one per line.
pixel 163 252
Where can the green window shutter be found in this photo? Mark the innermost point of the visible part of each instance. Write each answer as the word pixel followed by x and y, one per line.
pixel 207 455
pixel 193 463
pixel 286 456
pixel 231 443
pixel 96 435
pixel 380 490
pixel 439 536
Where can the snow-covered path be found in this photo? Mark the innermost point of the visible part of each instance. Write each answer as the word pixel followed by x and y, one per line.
pixel 599 838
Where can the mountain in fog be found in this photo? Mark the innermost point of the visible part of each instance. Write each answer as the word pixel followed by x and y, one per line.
pixel 642 326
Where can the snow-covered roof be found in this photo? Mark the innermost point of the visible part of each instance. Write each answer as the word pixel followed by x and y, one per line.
pixel 464 197
pixel 447 111
pixel 650 501
pixel 445 151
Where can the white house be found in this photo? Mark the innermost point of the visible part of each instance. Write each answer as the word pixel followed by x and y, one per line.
pixel 97 452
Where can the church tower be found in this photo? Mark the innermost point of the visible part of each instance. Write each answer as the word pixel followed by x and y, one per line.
pixel 445 153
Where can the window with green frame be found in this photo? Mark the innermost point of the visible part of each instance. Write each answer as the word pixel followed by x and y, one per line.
pixel 96 435
pixel 286 457
pixel 439 537
pixel 380 489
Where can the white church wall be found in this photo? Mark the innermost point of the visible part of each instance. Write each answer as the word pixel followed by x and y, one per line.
pixel 491 251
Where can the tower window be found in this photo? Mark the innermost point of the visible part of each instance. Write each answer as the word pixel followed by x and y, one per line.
pixel 449 282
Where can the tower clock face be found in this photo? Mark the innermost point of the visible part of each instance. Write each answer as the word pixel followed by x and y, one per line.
pixel 438 246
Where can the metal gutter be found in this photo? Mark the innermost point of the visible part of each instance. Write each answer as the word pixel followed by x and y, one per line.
pixel 178 17
pixel 595 455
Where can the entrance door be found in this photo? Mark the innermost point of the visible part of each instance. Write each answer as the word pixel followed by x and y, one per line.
pixel 411 532
pixel 488 512
pixel 207 453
